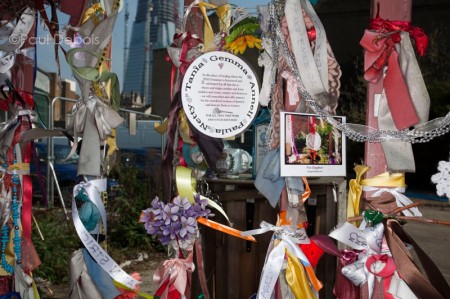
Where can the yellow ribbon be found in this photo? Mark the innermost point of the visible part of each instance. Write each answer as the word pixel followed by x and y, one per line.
pixel 19 166
pixel 297 279
pixel 391 180
pixel 223 12
pixel 124 287
pixel 93 12
pixel 162 127
pixel 186 188
pixel 112 142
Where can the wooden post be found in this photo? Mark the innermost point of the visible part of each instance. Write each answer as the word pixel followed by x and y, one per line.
pixel 398 10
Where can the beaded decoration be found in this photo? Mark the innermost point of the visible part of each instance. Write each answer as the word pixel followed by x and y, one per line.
pixel 15 206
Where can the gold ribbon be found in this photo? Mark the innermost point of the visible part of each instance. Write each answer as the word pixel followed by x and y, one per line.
pixel 162 127
pixel 392 180
pixel 224 14
pixel 93 12
pixel 186 185
pixel 297 279
pixel 20 167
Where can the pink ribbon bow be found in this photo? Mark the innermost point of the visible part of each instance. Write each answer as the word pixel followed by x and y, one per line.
pixel 173 278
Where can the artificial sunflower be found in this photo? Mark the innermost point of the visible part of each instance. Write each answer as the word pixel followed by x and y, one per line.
pixel 242 36
pixel 240 44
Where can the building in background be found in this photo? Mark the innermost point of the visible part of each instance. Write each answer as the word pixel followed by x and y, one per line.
pixel 161 26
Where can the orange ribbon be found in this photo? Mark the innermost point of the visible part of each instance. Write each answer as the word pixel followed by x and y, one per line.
pixel 224 229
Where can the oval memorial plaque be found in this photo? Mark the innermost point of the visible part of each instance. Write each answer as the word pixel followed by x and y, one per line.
pixel 220 94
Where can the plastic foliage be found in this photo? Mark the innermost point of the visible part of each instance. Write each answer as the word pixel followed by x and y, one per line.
pixel 243 35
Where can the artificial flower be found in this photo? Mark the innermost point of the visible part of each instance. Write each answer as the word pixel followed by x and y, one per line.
pixel 175 221
pixel 240 44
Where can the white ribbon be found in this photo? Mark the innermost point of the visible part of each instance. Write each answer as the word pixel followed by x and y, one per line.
pixel 313 69
pixel 274 262
pixel 8 127
pixel 17 37
pixel 12 39
pixel 265 61
pixel 93 188
pixel 106 118
pixel 298 236
pixel 369 240
pixel 400 199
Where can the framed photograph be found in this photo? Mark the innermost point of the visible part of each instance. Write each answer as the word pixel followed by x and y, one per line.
pixel 310 146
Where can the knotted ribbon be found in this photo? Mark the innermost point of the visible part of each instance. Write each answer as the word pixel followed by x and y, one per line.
pixel 369 242
pixel 173 278
pixel 382 266
pixel 381 52
pixel 380 25
pixel 287 241
pixel 393 183
pixel 105 118
pixel 181 54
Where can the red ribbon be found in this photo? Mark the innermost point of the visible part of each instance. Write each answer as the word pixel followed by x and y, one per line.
pixel 187 42
pixel 380 52
pixel 395 27
pixel 386 273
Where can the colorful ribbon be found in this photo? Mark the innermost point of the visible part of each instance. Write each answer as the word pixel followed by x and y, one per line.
pixel 288 240
pixel 93 189
pixel 297 279
pixel 186 188
pixel 173 278
pixel 382 266
pixel 381 52
pixel 386 182
pixel 369 242
pixel 417 33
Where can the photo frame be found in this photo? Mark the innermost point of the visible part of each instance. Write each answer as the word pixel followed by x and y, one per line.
pixel 310 146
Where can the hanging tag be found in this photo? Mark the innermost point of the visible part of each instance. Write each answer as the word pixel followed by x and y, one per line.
pixel 376 105
pixel 334 191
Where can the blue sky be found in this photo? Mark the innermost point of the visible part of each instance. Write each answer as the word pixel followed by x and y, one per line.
pixel 46 57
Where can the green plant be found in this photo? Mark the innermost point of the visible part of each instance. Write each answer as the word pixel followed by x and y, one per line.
pixel 60 240
pixel 125 230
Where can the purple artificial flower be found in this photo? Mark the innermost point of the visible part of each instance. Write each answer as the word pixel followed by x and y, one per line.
pixel 188 225
pixel 184 203
pixel 171 231
pixel 169 213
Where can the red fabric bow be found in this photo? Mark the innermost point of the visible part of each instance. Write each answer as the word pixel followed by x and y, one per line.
pixel 380 52
pixel 386 272
pixel 385 26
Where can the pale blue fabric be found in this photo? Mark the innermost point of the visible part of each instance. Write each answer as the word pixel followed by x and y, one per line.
pixel 268 180
pixel 101 279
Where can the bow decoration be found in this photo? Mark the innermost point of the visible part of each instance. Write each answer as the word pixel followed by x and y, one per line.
pixel 105 117
pixel 286 240
pixel 173 278
pixel 393 183
pixel 380 53
pixel 417 33
pixel 369 242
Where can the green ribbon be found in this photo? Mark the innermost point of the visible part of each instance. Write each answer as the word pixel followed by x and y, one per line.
pixel 373 217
